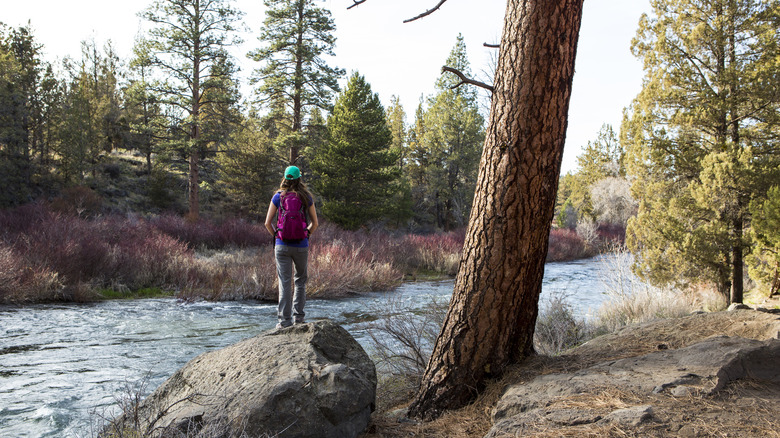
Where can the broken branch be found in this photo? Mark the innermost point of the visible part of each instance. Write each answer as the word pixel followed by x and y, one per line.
pixel 426 13
pixel 464 79
pixel 355 3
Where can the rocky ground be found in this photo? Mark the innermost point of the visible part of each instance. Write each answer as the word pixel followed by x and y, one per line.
pixel 701 375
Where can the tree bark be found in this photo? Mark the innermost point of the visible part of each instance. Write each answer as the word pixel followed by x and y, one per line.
pixel 737 269
pixel 491 318
pixel 297 125
pixel 194 183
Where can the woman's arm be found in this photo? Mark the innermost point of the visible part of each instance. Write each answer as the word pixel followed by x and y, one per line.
pixel 269 219
pixel 314 222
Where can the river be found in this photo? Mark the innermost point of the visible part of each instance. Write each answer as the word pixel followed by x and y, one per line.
pixel 65 367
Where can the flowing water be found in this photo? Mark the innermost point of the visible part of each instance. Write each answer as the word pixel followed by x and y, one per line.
pixel 64 368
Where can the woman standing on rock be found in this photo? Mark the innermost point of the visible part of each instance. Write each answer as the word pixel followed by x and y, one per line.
pixel 295 221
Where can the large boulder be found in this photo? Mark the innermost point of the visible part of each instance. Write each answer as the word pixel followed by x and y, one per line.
pixel 309 380
pixel 555 400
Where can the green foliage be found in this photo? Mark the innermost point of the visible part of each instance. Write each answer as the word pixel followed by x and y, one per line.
pixel 90 125
pixel 402 200
pixel 602 158
pixel 294 76
pixel 357 170
pixel 764 262
pixel 702 137
pixel 21 114
pixel 567 216
pixel 445 148
pixel 159 189
pixel 187 47
pixel 574 195
pixel 146 122
pixel 249 169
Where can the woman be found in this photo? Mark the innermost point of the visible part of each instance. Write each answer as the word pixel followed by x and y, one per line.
pixel 296 220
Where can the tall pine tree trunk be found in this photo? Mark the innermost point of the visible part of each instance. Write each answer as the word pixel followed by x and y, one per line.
pixel 194 183
pixel 490 322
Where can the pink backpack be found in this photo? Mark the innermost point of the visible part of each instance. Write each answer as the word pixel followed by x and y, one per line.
pixel 291 223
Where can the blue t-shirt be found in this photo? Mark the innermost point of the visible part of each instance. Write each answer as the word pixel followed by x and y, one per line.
pixel 303 243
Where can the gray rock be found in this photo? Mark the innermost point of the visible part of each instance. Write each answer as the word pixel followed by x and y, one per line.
pixel 739 306
pixel 571 417
pixel 309 380
pixel 703 368
pixel 680 391
pixel 633 416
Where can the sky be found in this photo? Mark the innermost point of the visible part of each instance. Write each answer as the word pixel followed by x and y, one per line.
pixel 396 58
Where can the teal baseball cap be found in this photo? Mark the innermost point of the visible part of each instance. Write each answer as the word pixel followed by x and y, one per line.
pixel 292 172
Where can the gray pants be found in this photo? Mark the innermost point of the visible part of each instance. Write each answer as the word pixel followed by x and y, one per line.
pixel 291 305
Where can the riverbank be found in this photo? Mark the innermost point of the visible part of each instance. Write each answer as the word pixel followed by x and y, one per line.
pixel 49 256
pixel 745 407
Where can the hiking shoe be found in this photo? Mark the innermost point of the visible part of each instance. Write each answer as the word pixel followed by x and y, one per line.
pixel 299 321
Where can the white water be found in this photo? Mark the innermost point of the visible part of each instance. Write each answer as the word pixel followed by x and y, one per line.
pixel 63 367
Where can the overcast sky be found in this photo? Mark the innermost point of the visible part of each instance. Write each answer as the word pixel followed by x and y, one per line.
pixel 395 58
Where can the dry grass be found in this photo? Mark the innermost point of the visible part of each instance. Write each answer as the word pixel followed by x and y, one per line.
pixel 631 300
pixel 744 409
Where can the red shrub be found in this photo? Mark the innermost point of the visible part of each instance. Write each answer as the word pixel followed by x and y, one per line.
pixel 242 234
pixel 611 234
pixel 564 245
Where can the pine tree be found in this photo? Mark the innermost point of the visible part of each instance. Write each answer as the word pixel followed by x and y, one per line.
pixel 245 175
pixel 357 170
pixel 600 160
pixel 492 314
pixel 143 110
pixel 764 261
pixel 92 109
pixel 297 35
pixel 12 139
pixel 702 137
pixel 186 44
pixel 452 144
pixel 402 200
pixel 22 110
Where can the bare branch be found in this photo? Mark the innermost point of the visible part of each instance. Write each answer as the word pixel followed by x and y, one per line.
pixel 491 46
pixel 465 80
pixel 426 13
pixel 356 2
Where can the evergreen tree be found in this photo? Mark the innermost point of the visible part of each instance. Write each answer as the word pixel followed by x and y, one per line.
pixel 314 136
pixel 358 173
pixel 220 111
pixel 702 137
pixel 143 110
pixel 764 262
pixel 22 110
pixel 416 166
pixel 452 144
pixel 248 169
pixel 12 146
pixel 91 112
pixel 502 265
pixel 601 159
pixel 402 200
pixel 187 45
pixel 297 35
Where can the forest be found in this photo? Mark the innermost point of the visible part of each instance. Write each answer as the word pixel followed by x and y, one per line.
pixel 689 181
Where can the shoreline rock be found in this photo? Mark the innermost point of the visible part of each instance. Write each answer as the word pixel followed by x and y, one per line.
pixel 309 380
pixel 644 393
